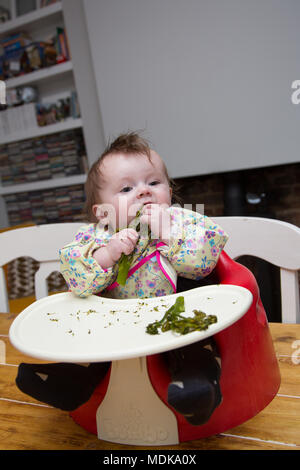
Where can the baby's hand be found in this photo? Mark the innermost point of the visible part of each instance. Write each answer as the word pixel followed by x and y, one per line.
pixel 158 218
pixel 122 242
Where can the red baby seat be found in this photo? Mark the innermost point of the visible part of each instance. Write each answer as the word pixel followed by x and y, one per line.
pixel 250 374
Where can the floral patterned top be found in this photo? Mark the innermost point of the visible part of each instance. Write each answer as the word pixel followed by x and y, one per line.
pixel 193 251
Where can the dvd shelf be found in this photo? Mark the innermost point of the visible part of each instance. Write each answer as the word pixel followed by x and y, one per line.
pixel 53 156
pixel 46 206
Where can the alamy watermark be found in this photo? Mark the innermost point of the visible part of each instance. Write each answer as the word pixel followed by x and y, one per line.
pixel 2 352
pixel 2 92
pixel 159 221
pixel 295 97
pixel 296 353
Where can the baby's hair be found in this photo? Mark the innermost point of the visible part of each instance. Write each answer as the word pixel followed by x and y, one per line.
pixel 128 143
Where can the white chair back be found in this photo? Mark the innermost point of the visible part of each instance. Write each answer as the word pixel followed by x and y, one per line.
pixel 274 241
pixel 40 242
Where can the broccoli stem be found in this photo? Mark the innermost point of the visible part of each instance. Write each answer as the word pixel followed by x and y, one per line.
pixel 126 260
pixel 172 320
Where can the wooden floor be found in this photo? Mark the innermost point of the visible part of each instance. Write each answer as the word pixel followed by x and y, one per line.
pixel 26 424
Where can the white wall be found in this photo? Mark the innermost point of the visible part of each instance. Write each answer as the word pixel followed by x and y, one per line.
pixel 209 80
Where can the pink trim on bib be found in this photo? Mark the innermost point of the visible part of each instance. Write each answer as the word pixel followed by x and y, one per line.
pixel 164 271
pixel 132 270
pixel 141 262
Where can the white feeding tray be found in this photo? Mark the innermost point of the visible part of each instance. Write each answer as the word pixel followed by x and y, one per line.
pixel 66 328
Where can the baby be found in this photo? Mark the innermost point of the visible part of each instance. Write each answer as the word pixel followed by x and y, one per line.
pixel 164 242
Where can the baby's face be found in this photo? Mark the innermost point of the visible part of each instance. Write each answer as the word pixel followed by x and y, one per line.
pixel 128 182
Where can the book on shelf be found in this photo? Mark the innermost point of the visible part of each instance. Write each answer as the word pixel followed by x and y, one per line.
pixel 18 119
pixel 74 106
pixel 61 45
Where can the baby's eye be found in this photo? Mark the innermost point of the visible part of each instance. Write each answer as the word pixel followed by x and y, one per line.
pixel 153 183
pixel 126 189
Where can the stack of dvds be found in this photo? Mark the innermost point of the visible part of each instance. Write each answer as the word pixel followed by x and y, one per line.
pixel 5 168
pixel 47 206
pixel 41 158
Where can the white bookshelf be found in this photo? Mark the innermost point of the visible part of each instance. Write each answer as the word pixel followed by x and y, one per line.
pixel 31 20
pixel 37 131
pixel 55 71
pixel 44 184
pixel 55 82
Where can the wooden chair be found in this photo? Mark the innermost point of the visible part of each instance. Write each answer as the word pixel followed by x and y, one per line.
pixel 274 241
pixel 40 242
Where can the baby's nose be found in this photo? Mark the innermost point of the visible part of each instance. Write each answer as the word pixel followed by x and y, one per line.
pixel 143 191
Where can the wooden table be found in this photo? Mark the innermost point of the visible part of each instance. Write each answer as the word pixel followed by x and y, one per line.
pixel 26 424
